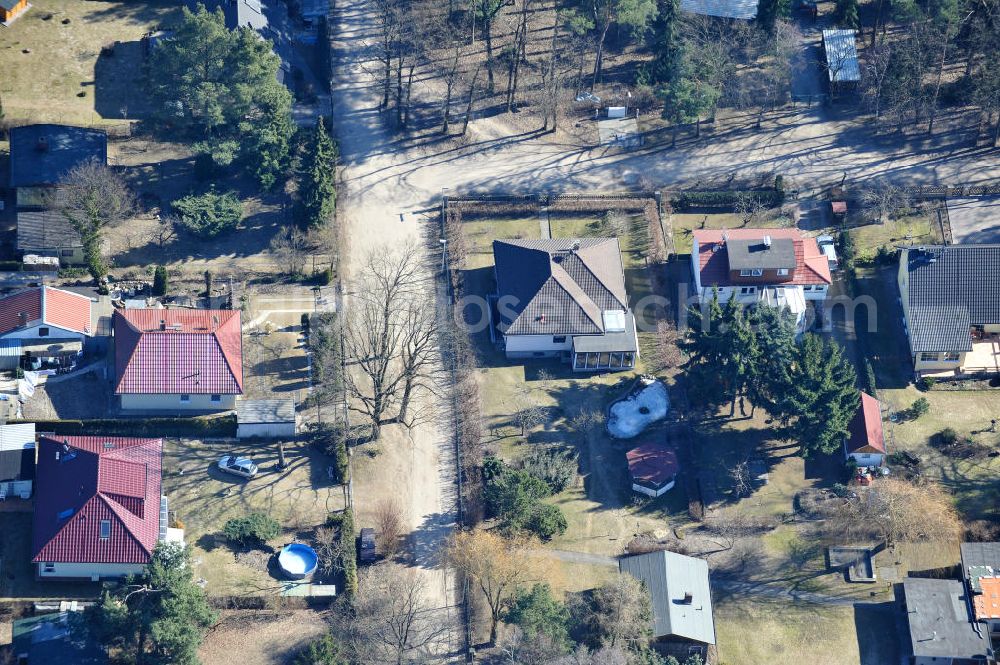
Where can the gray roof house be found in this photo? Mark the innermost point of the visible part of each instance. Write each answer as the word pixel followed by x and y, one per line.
pixel 981 569
pixel 951 307
pixel 564 298
pixel 940 624
pixel 682 600
pixel 841 56
pixel 238 13
pixel 48 232
pixel 41 155
pixel 739 9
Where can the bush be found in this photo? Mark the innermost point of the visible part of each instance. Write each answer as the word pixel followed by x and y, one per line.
pixel 514 496
pixel 160 281
pixel 546 521
pixel 324 651
pixel 210 214
pixel 919 407
pixel 926 383
pixel 556 466
pixel 253 529
pixel 870 378
pixel 947 437
pixel 194 428
pixel 348 553
pixel 726 198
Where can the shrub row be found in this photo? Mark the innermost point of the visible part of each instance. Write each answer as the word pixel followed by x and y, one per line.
pixel 725 198
pixel 195 428
pixel 348 550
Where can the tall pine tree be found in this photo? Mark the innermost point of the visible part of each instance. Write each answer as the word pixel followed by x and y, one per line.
pixel 666 42
pixel 317 190
pixel 819 397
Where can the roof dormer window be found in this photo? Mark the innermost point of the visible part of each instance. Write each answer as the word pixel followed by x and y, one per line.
pixel 751 272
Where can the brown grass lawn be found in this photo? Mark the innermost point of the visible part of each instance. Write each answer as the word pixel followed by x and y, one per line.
pixel 260 637
pixel 203 498
pixel 919 227
pixel 64 78
pixel 762 632
pixel 681 225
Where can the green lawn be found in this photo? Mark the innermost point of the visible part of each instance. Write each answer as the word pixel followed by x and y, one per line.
pixel 920 227
pixel 63 77
pixel 480 234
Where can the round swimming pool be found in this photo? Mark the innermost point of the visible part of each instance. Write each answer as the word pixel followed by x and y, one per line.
pixel 297 561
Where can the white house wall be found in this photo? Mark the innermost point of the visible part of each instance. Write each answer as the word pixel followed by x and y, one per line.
pixel 520 346
pixel 268 430
pixel 89 571
pixel 173 403
pixel 55 332
pixel 867 459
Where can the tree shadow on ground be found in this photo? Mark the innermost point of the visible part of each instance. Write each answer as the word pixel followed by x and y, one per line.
pixel 879 641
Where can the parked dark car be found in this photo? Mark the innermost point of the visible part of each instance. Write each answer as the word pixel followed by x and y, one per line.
pixel 366 546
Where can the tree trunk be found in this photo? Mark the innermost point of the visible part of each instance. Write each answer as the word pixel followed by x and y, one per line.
pixel 488 36
pixel 399 91
pixel 406 102
pixel 472 99
pixel 878 15
pixel 940 74
pixel 600 54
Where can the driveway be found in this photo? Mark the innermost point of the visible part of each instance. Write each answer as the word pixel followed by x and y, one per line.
pixel 975 220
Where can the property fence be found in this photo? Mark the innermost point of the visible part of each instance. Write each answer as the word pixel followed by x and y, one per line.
pixel 953 191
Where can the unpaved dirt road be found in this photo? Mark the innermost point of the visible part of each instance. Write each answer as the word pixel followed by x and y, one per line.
pixel 391 185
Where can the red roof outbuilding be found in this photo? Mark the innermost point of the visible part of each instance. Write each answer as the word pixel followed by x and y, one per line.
pixel 178 351
pixel 811 265
pixel 652 463
pixel 45 305
pixel 97 499
pixel 865 430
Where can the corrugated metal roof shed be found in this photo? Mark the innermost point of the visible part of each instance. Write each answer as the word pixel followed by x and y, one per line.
pixel 254 411
pixel 742 9
pixel 841 56
pixel 682 597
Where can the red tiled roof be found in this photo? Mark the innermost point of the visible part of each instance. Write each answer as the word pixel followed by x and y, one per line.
pixel 178 351
pixel 112 479
pixel 987 603
pixel 866 435
pixel 811 266
pixel 63 309
pixel 652 462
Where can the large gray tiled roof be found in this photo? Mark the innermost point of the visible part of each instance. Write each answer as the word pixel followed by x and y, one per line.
pixel 745 253
pixel 42 155
pixel 951 289
pixel 558 286
pixel 45 229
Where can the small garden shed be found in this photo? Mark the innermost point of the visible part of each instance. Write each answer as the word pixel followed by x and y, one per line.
pixel 265 418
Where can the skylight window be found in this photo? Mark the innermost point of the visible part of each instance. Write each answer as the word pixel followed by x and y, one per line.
pixel 105 529
pixel 65 514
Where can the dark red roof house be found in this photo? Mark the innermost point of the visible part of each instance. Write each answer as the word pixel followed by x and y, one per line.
pixel 45 313
pixel 653 467
pixel 865 443
pixel 178 360
pixel 97 506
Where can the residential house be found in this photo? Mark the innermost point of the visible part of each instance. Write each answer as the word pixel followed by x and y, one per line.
pixel 734 9
pixel 98 508
pixel 42 155
pixel 564 298
pixel 683 623
pixel 237 13
pixel 45 313
pixel 653 468
pixel 941 630
pixel 17 460
pixel 981 569
pixel 178 360
pixel 777 267
pixel 865 442
pixel 11 9
pixel 951 308
pixel 49 233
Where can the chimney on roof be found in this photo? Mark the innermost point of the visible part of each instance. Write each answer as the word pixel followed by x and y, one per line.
pixel 576 245
pixel 163 324
pixel 725 237
pixel 767 241
pixel 42 144
pixel 688 598
pixel 22 318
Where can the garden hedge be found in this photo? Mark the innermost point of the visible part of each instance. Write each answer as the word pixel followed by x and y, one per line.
pixel 195 428
pixel 725 198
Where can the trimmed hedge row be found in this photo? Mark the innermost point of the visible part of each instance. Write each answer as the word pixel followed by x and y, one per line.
pixel 348 549
pixel 725 198
pixel 195 428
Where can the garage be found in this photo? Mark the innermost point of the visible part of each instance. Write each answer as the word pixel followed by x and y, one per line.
pixel 265 418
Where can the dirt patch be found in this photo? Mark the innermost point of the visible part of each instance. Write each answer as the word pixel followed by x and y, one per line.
pixel 260 637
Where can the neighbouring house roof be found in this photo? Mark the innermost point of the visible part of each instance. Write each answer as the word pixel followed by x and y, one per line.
pixel 865 433
pixel 39 230
pixel 178 351
pixel 652 463
pixel 558 286
pixel 265 411
pixel 951 289
pixel 238 13
pixel 810 266
pixel 986 603
pixel 682 597
pixel 744 9
pixel 314 8
pixel 841 56
pixel 980 554
pixel 939 621
pixel 83 481
pixel 43 304
pixel 17 452
pixel 41 155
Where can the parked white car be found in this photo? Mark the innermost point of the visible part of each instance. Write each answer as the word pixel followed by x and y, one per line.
pixel 827 245
pixel 238 466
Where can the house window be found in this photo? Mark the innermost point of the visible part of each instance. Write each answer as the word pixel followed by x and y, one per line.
pixel 747 290
pixel 49 568
pixel 43 332
pixel 105 529
pixel 756 272
pixel 559 339
pixel 928 357
pixel 185 398
pixel 951 356
pixel 744 273
pixel 216 398
pixel 65 514
pixel 66 252
pixel 782 272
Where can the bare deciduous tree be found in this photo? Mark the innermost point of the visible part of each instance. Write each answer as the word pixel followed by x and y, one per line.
pixel 289 248
pixel 388 526
pixel 884 200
